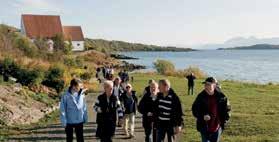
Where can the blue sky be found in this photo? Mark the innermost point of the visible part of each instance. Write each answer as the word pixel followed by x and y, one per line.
pixel 161 22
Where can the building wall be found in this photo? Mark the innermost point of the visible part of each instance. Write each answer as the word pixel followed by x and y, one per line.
pixel 78 45
pixel 22 28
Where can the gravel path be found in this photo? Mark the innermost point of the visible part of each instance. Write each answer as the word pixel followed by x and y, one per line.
pixel 54 132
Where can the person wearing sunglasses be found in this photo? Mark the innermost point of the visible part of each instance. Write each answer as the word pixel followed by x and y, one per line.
pixel 129 101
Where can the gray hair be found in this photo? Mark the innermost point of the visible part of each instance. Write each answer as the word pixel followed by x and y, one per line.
pixel 108 83
pixel 165 82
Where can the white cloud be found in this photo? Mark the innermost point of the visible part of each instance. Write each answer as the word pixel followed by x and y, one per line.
pixel 35 6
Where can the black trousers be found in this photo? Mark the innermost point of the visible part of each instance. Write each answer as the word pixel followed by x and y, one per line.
pixel 190 90
pixel 78 130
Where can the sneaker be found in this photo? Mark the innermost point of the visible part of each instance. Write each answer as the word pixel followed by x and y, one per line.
pixel 132 135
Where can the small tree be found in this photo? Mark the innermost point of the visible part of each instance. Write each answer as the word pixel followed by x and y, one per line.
pixel 164 67
pixel 59 42
pixel 68 47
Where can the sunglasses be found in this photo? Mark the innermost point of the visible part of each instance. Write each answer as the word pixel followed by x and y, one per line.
pixel 128 87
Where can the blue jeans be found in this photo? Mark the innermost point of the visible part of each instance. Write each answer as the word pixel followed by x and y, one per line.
pixel 211 137
pixel 161 133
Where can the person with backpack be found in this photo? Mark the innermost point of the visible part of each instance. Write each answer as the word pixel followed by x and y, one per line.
pixel 212 111
pixel 73 111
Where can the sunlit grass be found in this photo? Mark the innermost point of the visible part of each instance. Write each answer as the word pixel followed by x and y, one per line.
pixel 255 109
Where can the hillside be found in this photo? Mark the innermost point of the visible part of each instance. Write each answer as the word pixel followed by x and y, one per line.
pixel 253 47
pixel 114 46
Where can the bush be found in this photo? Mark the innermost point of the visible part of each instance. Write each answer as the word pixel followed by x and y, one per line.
pixel 68 47
pixel 86 76
pixel 23 75
pixel 54 78
pixel 164 67
pixel 41 44
pixel 24 44
pixel 196 70
pixel 59 42
pixel 73 62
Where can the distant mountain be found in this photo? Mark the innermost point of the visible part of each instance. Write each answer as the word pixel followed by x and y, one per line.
pixel 240 42
pixel 253 47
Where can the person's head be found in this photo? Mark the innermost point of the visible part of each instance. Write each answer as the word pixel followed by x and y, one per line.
pixel 154 88
pixel 192 74
pixel 164 85
pixel 129 88
pixel 151 81
pixel 210 85
pixel 117 81
pixel 75 85
pixel 108 85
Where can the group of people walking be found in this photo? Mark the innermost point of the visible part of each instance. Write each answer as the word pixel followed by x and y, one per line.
pixel 160 106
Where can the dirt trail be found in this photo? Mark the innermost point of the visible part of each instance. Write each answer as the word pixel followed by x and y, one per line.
pixel 54 132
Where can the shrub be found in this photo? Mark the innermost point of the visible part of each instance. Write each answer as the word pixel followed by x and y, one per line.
pixel 164 67
pixel 86 76
pixel 41 44
pixel 24 44
pixel 196 70
pixel 59 42
pixel 54 78
pixel 68 47
pixel 73 62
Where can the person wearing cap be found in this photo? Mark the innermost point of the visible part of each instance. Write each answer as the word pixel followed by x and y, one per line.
pixel 73 110
pixel 212 111
pixel 147 109
pixel 191 83
pixel 107 106
pixel 129 101
pixel 168 112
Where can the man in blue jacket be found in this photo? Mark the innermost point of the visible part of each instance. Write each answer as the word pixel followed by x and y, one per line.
pixel 73 111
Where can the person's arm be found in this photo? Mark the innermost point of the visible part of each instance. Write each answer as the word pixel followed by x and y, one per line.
pixel 97 107
pixel 228 110
pixel 178 112
pixel 63 118
pixel 119 109
pixel 195 107
pixel 85 114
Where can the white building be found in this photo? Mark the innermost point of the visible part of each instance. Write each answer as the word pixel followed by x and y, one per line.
pixel 75 35
pixel 48 26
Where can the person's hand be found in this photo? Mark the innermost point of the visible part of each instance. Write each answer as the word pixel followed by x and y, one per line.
pixel 206 117
pixel 177 129
pixel 149 114
pixel 120 121
pixel 99 110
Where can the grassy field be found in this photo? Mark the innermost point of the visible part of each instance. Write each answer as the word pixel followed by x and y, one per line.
pixel 255 109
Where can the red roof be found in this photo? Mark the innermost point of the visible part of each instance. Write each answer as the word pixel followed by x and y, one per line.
pixel 44 26
pixel 73 33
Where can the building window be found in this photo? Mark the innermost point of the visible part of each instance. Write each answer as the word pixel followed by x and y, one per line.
pixel 78 44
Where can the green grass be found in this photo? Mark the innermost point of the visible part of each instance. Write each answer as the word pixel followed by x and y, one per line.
pixel 255 109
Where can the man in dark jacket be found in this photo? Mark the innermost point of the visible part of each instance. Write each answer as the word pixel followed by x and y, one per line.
pixel 191 83
pixel 169 114
pixel 129 101
pixel 106 107
pixel 211 109
pixel 147 109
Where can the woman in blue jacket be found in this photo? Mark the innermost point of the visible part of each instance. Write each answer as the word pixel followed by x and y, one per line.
pixel 73 111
